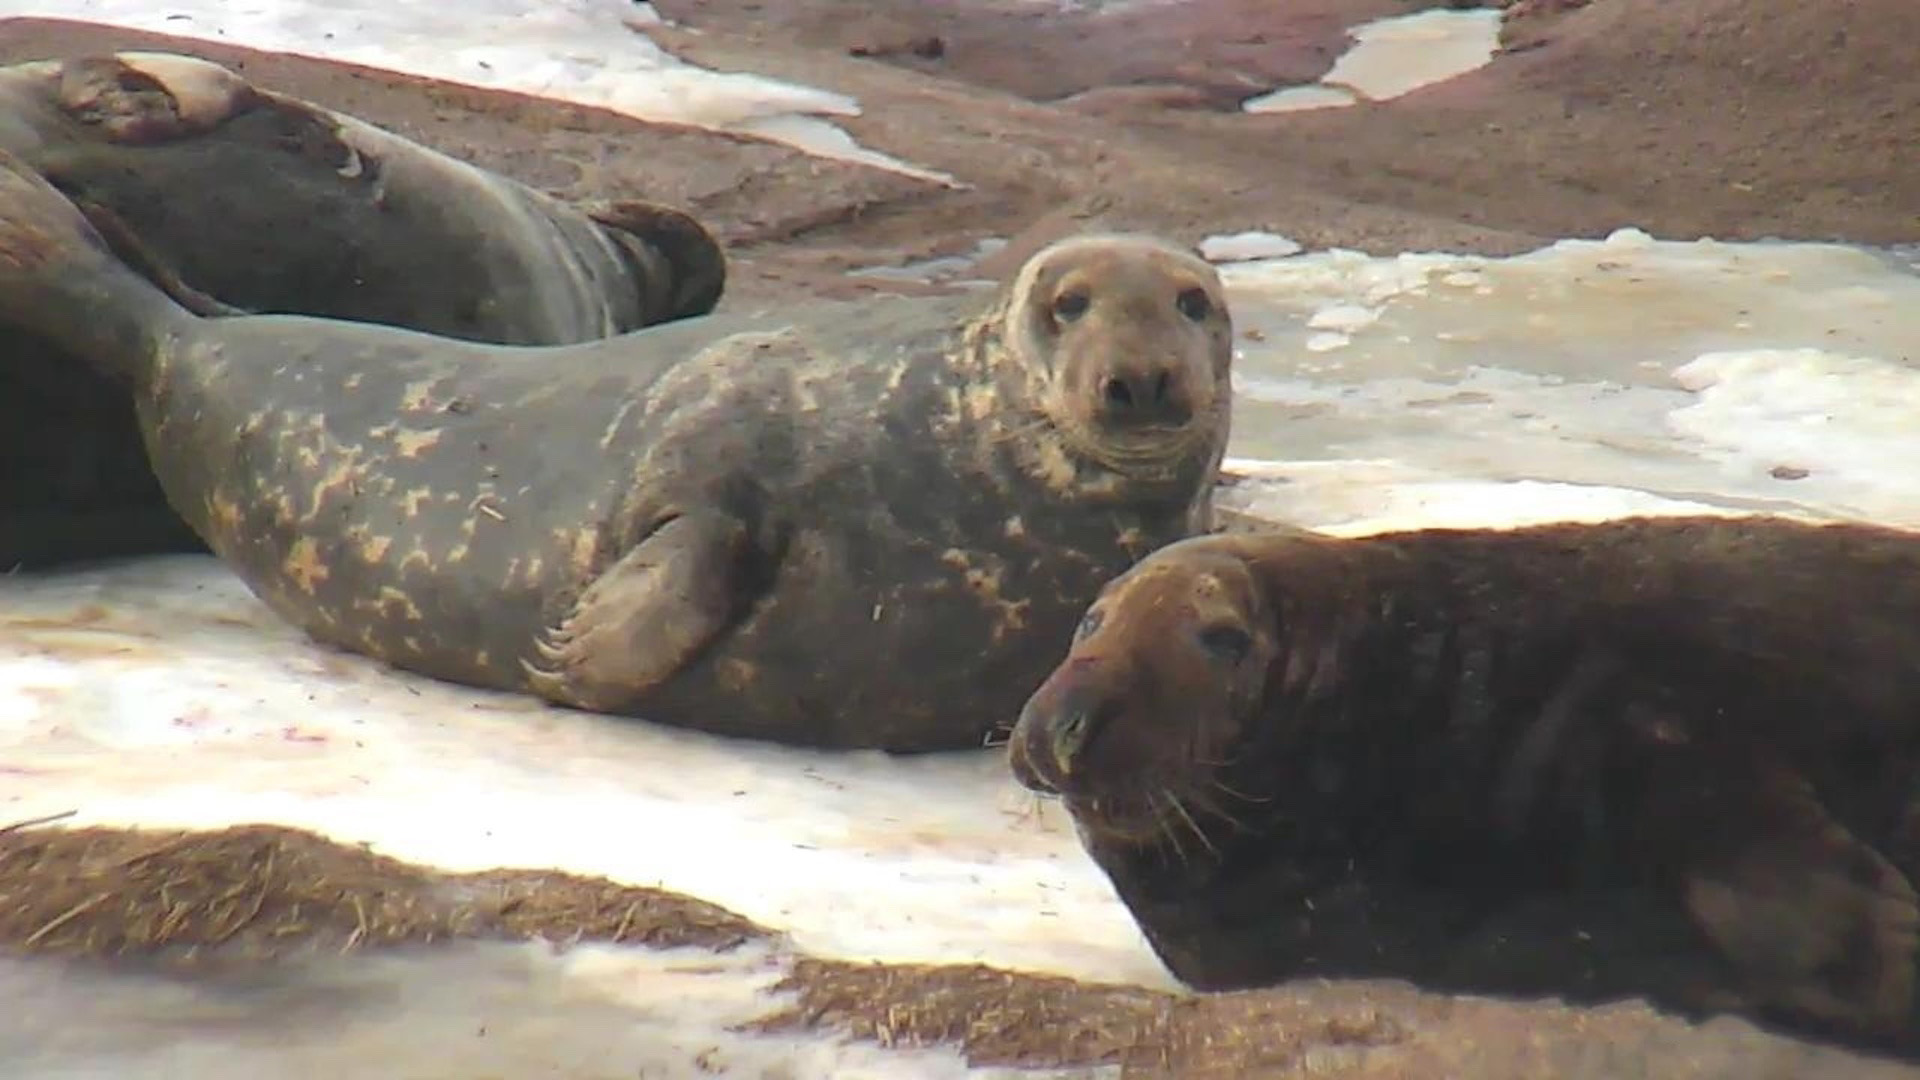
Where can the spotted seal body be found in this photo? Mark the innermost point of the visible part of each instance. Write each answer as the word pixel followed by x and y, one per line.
pixel 843 525
pixel 1673 757
pixel 235 198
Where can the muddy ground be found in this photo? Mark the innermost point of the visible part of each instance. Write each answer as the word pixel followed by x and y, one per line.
pixel 1738 119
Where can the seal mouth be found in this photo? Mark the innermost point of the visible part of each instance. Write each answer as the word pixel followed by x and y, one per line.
pixel 1139 450
pixel 1147 815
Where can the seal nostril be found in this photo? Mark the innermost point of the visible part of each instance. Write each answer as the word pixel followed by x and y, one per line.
pixel 1141 398
pixel 1080 723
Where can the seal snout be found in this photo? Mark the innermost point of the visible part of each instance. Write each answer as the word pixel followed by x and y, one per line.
pixel 1075 722
pixel 1059 726
pixel 1152 394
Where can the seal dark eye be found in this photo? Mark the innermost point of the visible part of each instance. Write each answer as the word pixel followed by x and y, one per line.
pixel 1194 304
pixel 1069 306
pixel 1089 623
pixel 1227 643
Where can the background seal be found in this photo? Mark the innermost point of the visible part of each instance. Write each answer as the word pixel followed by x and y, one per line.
pixel 234 198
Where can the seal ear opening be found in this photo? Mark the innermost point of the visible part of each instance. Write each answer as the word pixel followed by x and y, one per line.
pixel 696 264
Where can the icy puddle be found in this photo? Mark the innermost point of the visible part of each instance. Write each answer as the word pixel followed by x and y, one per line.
pixel 460 1013
pixel 1585 380
pixel 581 51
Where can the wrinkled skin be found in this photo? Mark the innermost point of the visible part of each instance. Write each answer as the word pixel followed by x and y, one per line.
pixel 1663 757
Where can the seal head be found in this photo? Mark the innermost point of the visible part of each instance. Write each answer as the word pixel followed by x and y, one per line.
pixel 1123 346
pixel 1188 634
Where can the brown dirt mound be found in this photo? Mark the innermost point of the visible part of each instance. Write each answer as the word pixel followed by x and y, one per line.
pixel 1734 118
pixel 1205 53
pixel 1738 119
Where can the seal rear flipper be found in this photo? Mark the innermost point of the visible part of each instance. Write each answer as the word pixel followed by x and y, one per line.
pixel 59 279
pixel 644 617
pixel 694 273
pixel 1817 921
pixel 141 98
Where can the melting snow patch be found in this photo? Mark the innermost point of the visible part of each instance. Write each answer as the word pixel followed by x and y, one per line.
pixel 1746 377
pixel 159 692
pixel 1395 56
pixel 1241 246
pixel 587 52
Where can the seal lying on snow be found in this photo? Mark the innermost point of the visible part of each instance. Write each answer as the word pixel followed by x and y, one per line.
pixel 235 197
pixel 843 525
pixel 1292 753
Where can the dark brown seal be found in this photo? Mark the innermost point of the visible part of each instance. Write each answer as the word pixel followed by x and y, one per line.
pixel 841 524
pixel 1653 756
pixel 236 198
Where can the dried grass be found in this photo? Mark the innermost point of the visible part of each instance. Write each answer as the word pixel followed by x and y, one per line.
pixel 257 892
pixel 996 1017
pixel 260 890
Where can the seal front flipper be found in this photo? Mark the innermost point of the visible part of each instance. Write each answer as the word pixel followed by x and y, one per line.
pixel 1816 921
pixel 640 620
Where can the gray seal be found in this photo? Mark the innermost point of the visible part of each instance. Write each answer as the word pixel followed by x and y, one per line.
pixel 841 524
pixel 1672 757
pixel 234 198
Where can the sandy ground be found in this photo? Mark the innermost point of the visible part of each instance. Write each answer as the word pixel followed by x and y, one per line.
pixel 1738 119
pixel 1733 118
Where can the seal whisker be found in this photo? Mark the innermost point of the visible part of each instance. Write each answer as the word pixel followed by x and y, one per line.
pixel 1021 431
pixel 1212 808
pixel 1163 826
pixel 1194 826
pixel 1226 789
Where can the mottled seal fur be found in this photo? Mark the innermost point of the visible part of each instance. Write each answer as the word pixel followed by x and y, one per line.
pixel 233 198
pixel 842 525
pixel 1665 756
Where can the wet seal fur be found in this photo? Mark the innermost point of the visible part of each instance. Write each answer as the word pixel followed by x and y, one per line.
pixel 840 525
pixel 234 198
pixel 1669 757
